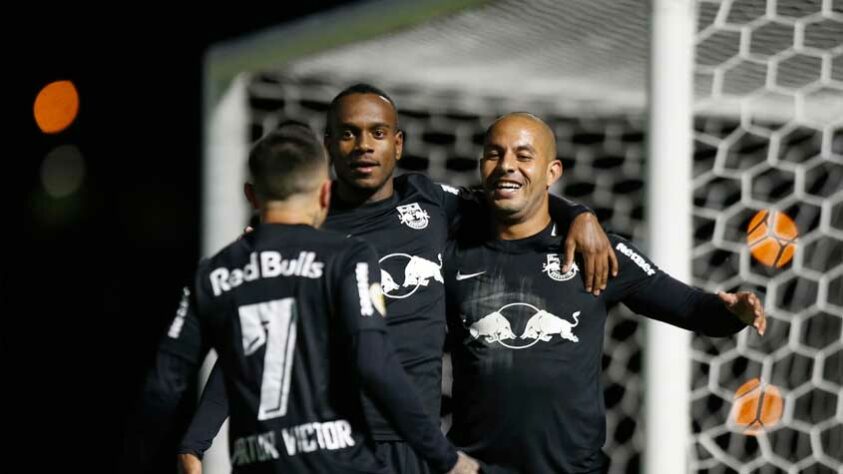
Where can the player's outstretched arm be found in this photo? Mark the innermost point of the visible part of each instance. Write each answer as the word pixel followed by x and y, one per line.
pixel 649 291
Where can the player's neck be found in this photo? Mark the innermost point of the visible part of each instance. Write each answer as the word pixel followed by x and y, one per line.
pixel 358 197
pixel 290 212
pixel 514 228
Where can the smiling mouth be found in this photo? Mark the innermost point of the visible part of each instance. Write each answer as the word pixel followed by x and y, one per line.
pixel 507 186
pixel 504 189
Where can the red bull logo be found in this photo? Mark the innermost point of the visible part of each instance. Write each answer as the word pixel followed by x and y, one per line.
pixel 413 216
pixel 493 327
pixel 553 268
pixel 541 326
pixel 418 272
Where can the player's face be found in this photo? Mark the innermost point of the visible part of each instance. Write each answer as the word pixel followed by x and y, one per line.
pixel 364 141
pixel 517 167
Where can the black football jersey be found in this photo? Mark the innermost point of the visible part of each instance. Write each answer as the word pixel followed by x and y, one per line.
pixel 281 306
pixel 526 342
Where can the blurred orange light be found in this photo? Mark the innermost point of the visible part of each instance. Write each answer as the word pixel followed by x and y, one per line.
pixel 56 106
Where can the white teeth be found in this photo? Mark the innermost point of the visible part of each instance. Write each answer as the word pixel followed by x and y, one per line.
pixel 508 186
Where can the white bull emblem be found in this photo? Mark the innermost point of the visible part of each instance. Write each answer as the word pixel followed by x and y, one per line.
pixel 493 327
pixel 419 271
pixel 544 326
pixel 387 283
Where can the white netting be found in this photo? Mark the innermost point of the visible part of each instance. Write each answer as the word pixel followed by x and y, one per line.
pixel 769 89
pixel 775 142
pixel 568 54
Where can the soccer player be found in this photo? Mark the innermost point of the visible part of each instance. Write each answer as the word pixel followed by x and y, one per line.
pixel 297 318
pixel 526 337
pixel 407 219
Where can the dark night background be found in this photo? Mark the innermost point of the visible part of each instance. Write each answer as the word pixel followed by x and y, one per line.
pixel 90 281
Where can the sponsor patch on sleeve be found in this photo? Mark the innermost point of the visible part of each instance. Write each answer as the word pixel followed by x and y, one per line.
pixel 362 274
pixel 637 259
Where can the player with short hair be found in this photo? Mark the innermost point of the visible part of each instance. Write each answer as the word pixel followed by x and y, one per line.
pixel 526 337
pixel 297 318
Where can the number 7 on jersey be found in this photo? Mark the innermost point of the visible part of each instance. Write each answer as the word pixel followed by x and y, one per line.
pixel 271 323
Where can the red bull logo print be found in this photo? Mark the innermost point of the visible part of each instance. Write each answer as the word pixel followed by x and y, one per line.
pixel 541 326
pixel 418 272
pixel 553 268
pixel 413 216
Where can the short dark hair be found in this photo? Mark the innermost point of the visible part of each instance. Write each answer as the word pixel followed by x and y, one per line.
pixel 286 160
pixel 359 88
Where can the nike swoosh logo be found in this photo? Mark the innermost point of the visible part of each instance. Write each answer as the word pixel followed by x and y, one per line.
pixel 461 277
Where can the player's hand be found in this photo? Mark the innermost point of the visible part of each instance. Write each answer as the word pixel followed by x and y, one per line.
pixel 747 307
pixel 465 465
pixel 189 464
pixel 586 236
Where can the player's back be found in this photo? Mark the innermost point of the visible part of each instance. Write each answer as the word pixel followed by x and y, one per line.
pixel 270 302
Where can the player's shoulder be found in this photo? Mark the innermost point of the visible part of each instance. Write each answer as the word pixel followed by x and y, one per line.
pixel 224 255
pixel 620 240
pixel 416 183
pixel 424 183
pixel 357 244
pixel 414 179
pixel 616 238
pixel 336 243
pixel 301 238
pixel 344 247
pixel 204 264
pixel 200 286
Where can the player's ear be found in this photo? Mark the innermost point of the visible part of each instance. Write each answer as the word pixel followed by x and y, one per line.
pixel 399 144
pixel 554 172
pixel 251 196
pixel 325 194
